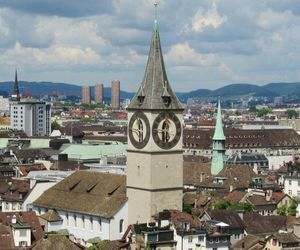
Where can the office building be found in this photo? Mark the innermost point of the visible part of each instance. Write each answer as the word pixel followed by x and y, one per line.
pixel 86 94
pixel 99 93
pixel 115 94
pixel 31 116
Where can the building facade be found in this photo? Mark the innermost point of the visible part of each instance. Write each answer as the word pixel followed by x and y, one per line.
pixel 86 94
pixel 154 153
pixel 99 93
pixel 33 117
pixel 115 94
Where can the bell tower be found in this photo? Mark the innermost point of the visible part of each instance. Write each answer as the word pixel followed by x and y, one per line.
pixel 154 153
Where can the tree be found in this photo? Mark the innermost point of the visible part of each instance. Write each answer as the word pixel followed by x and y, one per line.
pixel 253 109
pixel 55 125
pixel 292 210
pixel 292 113
pixel 263 112
pixel 187 208
pixel 282 210
pixel 224 204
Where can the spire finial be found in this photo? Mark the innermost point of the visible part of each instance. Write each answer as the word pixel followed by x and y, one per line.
pixel 156 5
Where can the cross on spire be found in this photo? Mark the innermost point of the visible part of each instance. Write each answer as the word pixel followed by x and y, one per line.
pixel 155 5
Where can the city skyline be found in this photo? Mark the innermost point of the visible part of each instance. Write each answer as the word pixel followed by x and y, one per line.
pixel 206 45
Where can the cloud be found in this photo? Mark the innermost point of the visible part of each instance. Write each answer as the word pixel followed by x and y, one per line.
pixel 64 8
pixel 202 20
pixel 205 43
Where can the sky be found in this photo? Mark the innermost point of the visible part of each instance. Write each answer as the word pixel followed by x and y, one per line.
pixel 206 44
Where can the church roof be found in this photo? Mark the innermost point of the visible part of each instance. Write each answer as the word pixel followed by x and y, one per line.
pixel 155 91
pixel 219 134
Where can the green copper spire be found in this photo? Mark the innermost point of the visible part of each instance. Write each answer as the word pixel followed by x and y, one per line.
pixel 219 134
pixel 218 154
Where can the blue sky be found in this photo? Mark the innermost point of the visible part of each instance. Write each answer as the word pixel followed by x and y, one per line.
pixel 206 44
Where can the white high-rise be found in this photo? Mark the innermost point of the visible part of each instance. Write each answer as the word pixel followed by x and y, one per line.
pixel 31 116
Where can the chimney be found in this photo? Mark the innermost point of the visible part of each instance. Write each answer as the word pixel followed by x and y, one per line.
pixel 241 213
pixel 268 195
pixel 14 219
pixel 255 168
pixel 201 177
pixel 297 230
pixel 32 183
pixel 103 161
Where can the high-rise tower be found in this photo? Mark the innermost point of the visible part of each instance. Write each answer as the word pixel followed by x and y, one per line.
pixel 86 94
pixel 154 154
pixel 218 155
pixel 115 94
pixel 99 93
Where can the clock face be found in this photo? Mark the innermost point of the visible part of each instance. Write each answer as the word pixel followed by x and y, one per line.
pixel 166 130
pixel 139 130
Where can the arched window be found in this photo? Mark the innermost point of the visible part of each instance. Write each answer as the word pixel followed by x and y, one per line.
pixel 75 220
pixel 121 225
pixel 166 131
pixel 140 130
pixel 67 219
pixel 100 224
pixel 91 223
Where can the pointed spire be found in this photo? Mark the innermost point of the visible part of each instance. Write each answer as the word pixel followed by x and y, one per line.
pixel 219 133
pixel 16 92
pixel 155 84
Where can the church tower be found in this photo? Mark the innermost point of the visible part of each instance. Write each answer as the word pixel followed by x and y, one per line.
pixel 16 94
pixel 218 155
pixel 154 154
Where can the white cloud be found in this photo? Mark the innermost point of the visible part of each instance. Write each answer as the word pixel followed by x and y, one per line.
pixel 182 54
pixel 205 19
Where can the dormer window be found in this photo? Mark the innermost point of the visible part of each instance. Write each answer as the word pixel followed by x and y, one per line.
pixel 186 225
pixel 141 99
pixel 166 100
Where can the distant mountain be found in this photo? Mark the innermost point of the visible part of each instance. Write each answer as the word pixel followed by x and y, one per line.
pixel 230 91
pixel 44 88
pixel 243 89
pixel 195 93
pixel 284 88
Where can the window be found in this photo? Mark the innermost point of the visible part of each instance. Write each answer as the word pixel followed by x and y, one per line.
pixel 82 219
pixel 91 223
pixel 298 194
pixel 140 130
pixel 67 219
pixel 217 240
pixel 290 182
pixel 22 243
pixel 298 183
pixel 75 220
pixel 290 192
pixel 200 238
pixel 121 225
pixel 100 224
pixel 215 248
pixel 165 131
pixel 190 239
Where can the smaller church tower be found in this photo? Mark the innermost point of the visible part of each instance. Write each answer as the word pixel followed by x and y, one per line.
pixel 16 93
pixel 218 155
